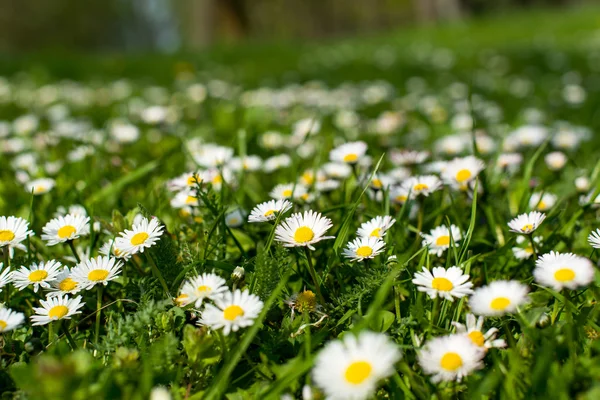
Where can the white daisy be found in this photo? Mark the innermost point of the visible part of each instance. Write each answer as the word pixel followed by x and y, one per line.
pixel 399 174
pixel 269 210
pixel 529 135
pixel 13 231
pixel 248 163
pixel 143 235
pixel 594 239
pixel 56 308
pixel 460 171
pixel 525 251
pixel 408 157
pixel 303 229
pixel 187 198
pixel 274 163
pixel 363 248
pixel 95 271
pixel 232 311
pixel 288 191
pixel 63 229
pixel 474 331
pixel 197 289
pixel 37 275
pixel 526 223
pixel 5 276
pixel 542 201
pixel 63 284
pixel 351 368
pixel 235 218
pixel 212 155
pixel 510 161
pixel 563 270
pixel 327 185
pixel 450 358
pixel 582 184
pixel 422 185
pixel 216 177
pixel 439 239
pixel 499 298
pixel 9 319
pixel 555 160
pixel 446 284
pixel 337 170
pixel 377 227
pixel 399 195
pixel 110 249
pixel 40 186
pixel 188 180
pixel 349 153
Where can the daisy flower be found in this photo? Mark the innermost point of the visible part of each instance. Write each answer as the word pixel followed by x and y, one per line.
pixel 63 229
pixel 337 170
pixel 399 195
pixel 524 253
pixel 474 331
pixel 269 210
pixel 377 227
pixel 563 270
pixel 63 284
pixel 526 223
pixel 95 271
pixel 363 248
pixel 422 185
pixel 349 153
pixel 445 283
pixel 232 311
pixel 303 229
pixel 542 202
pixel 40 186
pixel 327 185
pixel 212 155
pixel 13 231
pixel 555 160
pixel 498 298
pixel 143 235
pixel 287 191
pixel 110 249
pixel 5 276
pixel 274 163
pixel 460 171
pixel 185 199
pixel 9 319
pixel 408 157
pixel 235 218
pixel 510 161
pixel 216 177
pixel 439 240
pixel 594 239
pixel 350 368
pixel 582 184
pixel 37 275
pixel 450 358
pixel 248 163
pixel 197 289
pixel 55 308
pixel 188 180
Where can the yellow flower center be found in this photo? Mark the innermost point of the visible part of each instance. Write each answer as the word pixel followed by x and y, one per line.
pixel 377 183
pixel 442 284
pixel 181 298
pixel 477 338
pixel 357 372
pixel 420 186
pixel 117 251
pixel 303 234
pixel 306 301
pixel 139 238
pixel 451 361
pixel 217 179
pixel 38 276
pixel 67 284
pixel 3 325
pixel 232 312
pixel 401 198
pixel 308 178
pixel 58 312
pixel 203 288
pixel 541 205
pixel 463 175
pixel 564 275
pixel 529 250
pixel 350 158
pixel 364 251
pixel 287 193
pixel 97 275
pixel 269 213
pixel 527 228
pixel 443 241
pixel 192 180
pixel 233 221
pixel 66 231
pixel 376 233
pixel 190 200
pixel 6 236
pixel 39 189
pixel 500 303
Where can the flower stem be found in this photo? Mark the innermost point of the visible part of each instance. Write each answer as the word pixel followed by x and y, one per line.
pixel 68 335
pixel 5 252
pixel 532 242
pixel 158 275
pixel 98 314
pixel 74 251
pixel 313 275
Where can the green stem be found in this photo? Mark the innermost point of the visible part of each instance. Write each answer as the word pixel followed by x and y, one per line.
pixel 98 314
pixel 72 246
pixel 223 345
pixel 6 253
pixel 532 242
pixel 313 275
pixel 158 275
pixel 50 332
pixel 68 335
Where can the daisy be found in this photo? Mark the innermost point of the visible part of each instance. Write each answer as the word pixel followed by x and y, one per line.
pixel 95 271
pixel 377 227
pixel 349 153
pixel 529 135
pixel 13 231
pixel 474 331
pixel 143 235
pixel 110 249
pixel 40 186
pixel 399 174
pixel 526 223
pixel 9 319
pixel 337 170
pixel 248 163
pixel 212 155
pixel 438 240
pixel 555 160
pixel 422 185
pixel 446 284
pixel 187 198
pixel 594 239
pixel 363 248
pixel 63 229
pixel 188 180
pixel 380 181
pixel 450 358
pixel 563 270
pixel 303 229
pixel 350 368
pixel 510 161
pixel 399 195
pixel 235 218
pixel 327 185
pixel 56 308
pixel 200 288
pixel 408 157
pixel 524 253
pixel 498 298
pixel 542 201
pixel 269 210
pixel 216 177
pixel 274 163
pixel 460 171
pixel 232 311
pixel 287 191
pixel 5 276
pixel 63 284
pixel 582 184
pixel 37 275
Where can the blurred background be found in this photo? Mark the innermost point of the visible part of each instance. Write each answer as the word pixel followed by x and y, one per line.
pixel 173 25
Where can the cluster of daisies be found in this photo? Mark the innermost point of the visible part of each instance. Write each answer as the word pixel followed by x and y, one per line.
pixel 59 282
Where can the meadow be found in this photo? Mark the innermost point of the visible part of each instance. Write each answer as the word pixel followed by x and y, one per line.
pixel 404 216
